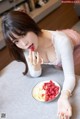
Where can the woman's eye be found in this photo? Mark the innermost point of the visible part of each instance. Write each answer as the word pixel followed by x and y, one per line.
pixel 16 41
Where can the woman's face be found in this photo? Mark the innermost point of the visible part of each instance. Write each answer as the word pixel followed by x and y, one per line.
pixel 26 41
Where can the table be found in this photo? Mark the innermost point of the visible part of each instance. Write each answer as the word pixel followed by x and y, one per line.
pixel 16 101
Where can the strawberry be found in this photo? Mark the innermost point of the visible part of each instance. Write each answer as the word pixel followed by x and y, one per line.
pixel 51 90
pixel 32 48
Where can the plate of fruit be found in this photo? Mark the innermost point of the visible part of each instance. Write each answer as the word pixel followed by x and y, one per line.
pixel 46 91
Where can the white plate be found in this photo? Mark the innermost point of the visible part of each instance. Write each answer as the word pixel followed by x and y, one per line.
pixel 37 91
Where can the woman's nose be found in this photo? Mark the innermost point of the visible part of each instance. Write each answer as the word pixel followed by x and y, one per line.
pixel 25 43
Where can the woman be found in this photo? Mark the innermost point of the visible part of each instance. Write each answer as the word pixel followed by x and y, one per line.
pixel 34 46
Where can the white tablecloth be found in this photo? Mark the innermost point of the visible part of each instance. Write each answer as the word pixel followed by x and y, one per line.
pixel 16 101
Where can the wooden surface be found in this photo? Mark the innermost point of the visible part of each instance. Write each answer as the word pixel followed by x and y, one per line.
pixel 62 18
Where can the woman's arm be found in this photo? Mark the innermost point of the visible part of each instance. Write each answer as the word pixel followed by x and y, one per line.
pixel 66 51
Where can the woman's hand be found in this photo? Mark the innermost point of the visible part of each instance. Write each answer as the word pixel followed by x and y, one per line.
pixel 64 108
pixel 35 59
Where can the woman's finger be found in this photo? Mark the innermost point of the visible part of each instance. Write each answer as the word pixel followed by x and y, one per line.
pixel 29 53
pixel 65 116
pixel 38 58
pixel 59 115
pixel 69 111
pixel 30 56
pixel 34 58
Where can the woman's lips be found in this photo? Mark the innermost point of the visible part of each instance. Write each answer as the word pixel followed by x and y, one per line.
pixel 31 47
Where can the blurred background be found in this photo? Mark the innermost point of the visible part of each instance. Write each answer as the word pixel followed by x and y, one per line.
pixel 49 14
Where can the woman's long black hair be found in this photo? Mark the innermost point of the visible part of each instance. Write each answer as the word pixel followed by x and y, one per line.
pixel 18 23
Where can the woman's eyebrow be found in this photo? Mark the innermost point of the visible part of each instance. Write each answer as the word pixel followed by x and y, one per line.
pixel 12 38
pixel 15 39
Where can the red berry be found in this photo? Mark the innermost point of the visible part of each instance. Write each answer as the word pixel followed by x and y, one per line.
pixel 32 48
pixel 51 90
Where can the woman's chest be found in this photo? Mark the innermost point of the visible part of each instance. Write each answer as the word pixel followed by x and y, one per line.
pixel 48 55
